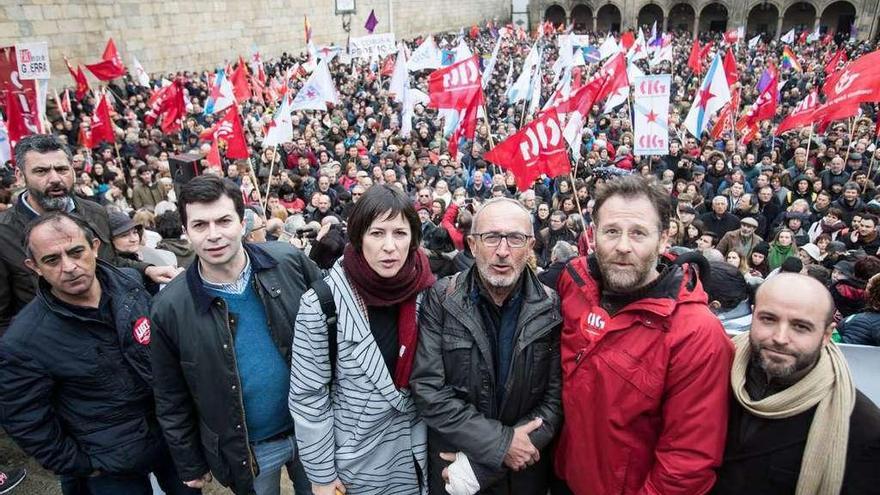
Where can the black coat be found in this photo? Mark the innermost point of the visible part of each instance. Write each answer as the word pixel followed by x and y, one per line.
pixel 453 384
pixel 76 392
pixel 861 328
pixel 17 283
pixel 197 387
pixel 763 457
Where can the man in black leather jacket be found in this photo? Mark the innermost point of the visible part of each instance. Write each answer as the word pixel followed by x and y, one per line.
pixel 75 370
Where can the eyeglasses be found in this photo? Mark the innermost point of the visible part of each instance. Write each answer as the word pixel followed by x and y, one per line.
pixel 493 239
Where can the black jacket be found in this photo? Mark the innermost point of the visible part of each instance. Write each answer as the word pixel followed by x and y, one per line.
pixel 453 384
pixel 197 387
pixel 17 283
pixel 861 328
pixel 75 392
pixel 763 456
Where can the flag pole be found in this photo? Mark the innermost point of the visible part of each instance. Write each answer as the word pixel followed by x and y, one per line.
pixel 849 142
pixel 265 200
pixel 809 141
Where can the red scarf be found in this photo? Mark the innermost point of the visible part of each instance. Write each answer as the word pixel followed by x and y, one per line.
pixel 414 276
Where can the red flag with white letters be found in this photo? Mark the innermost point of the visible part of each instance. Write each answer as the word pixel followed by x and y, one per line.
pixel 536 149
pixel 456 86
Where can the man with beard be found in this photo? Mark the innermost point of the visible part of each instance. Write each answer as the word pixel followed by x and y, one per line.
pixel 646 363
pixel 486 377
pixel 549 236
pixel 44 164
pixel 797 422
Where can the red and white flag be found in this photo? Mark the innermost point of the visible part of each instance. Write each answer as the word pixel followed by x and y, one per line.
pixel 168 106
pixel 110 67
pixel 802 114
pixel 537 149
pixel 456 86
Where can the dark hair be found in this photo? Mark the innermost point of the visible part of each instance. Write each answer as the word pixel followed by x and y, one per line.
pixel 55 217
pixel 42 144
pixel 851 185
pixel 168 225
pixel 631 187
pixel 387 202
pixel 726 285
pixel 866 267
pixel 837 212
pixel 207 189
pixel 871 217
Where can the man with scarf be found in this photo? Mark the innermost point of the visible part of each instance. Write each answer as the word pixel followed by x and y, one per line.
pixel 487 379
pixel 221 348
pixel 797 423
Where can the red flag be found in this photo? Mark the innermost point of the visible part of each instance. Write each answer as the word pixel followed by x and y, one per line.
pixel 764 107
pixel 615 69
pixel 82 84
pixel 456 86
pixel 167 105
pixel 213 156
pixel 835 61
pixel 801 115
pixel 229 130
pixel 536 149
pixel 704 52
pixel 85 137
pixel 102 124
pixel 16 117
pixel 627 40
pixel 110 66
pixel 387 67
pixel 475 31
pixel 467 124
pixel 855 84
pixel 730 67
pixel 802 39
pixel 239 78
pixel 65 102
pixel 694 61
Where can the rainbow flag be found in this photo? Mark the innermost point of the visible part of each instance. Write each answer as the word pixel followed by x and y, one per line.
pixel 789 60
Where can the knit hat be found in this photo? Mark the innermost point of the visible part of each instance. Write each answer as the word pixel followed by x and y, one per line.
pixel 762 247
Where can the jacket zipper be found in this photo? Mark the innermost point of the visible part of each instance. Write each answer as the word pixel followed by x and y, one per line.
pixel 247 442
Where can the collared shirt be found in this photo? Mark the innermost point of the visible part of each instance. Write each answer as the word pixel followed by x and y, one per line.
pixel 236 287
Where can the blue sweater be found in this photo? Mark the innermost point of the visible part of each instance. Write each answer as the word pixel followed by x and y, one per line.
pixel 265 378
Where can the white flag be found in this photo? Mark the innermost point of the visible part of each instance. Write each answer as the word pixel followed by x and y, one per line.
pixel 462 51
pixel 400 76
pixel 633 71
pixel 317 91
pixel 753 43
pixel 608 48
pixel 639 50
pixel 651 115
pixel 426 56
pixel 565 59
pixel 281 129
pixel 814 36
pixel 535 91
pixel 140 75
pixel 411 98
pixel 713 94
pixel 520 88
pixel 490 65
pixel 788 37
pixel 664 54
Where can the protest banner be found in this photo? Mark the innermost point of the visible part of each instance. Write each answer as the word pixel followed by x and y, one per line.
pixel 651 113
pixel 373 45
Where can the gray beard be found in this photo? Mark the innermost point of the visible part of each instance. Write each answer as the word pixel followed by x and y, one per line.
pixel 48 203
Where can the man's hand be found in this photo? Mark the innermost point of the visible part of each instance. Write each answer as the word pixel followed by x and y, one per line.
pixel 162 274
pixel 331 489
pixel 199 483
pixel 522 453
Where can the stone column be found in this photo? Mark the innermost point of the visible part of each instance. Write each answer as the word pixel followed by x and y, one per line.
pixel 595 23
pixel 696 23
pixel 779 26
pixel 665 22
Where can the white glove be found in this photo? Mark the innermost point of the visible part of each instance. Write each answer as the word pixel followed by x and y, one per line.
pixel 462 480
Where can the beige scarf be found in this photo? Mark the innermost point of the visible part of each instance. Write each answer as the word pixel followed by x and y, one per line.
pixel 829 384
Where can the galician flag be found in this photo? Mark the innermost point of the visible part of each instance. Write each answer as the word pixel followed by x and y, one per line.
pixel 222 95
pixel 713 94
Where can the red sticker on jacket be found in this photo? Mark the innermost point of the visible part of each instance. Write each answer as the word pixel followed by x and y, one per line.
pixel 142 330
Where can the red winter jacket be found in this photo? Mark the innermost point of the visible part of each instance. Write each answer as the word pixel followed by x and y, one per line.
pixel 645 392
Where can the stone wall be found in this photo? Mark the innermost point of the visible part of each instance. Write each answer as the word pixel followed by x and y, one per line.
pixel 169 35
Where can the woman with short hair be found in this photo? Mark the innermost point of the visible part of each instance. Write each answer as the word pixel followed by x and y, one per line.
pixel 357 428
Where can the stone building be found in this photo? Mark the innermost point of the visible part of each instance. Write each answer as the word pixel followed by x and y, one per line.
pixel 773 17
pixel 172 35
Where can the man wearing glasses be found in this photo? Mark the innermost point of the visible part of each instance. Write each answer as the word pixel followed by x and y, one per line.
pixel 646 363
pixel 486 377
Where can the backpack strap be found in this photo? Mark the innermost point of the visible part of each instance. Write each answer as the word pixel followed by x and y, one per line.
pixel 328 307
pixel 575 276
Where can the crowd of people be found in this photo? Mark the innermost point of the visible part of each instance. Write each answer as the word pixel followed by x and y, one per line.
pixel 375 315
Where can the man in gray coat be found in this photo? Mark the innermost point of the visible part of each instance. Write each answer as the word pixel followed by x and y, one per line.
pixel 487 378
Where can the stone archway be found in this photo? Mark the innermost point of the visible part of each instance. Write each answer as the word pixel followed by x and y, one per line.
pixel 608 18
pixel 838 18
pixel 713 18
pixel 681 17
pixel 648 15
pixel 582 18
pixel 801 16
pixel 762 19
pixel 556 15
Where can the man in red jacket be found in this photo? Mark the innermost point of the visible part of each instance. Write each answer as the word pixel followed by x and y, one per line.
pixel 645 364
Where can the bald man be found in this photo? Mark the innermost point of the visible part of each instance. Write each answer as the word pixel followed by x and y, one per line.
pixel 797 424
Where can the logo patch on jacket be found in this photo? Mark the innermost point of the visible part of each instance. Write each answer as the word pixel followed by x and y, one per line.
pixel 141 330
pixel 595 323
